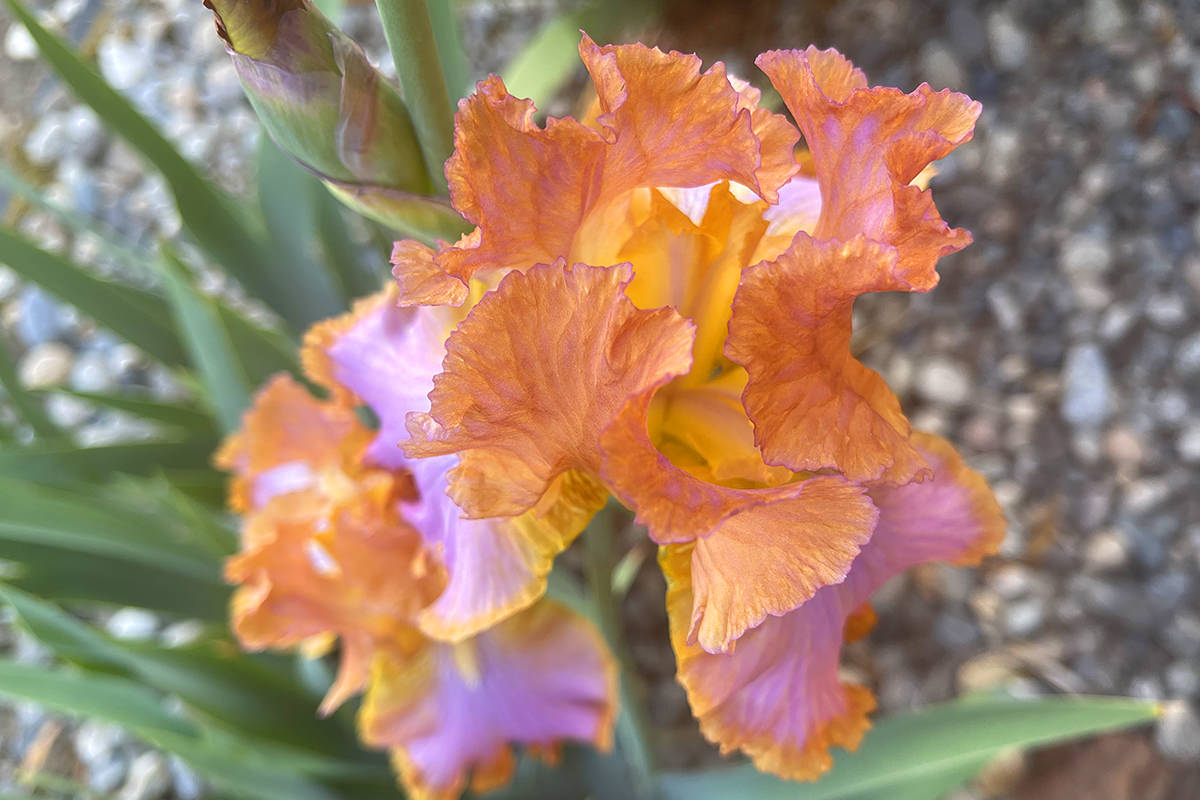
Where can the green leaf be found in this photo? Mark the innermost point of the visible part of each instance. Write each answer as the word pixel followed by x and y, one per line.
pixel 443 16
pixel 139 316
pixel 287 196
pixel 925 753
pixel 408 28
pixel 210 346
pixel 264 351
pixel 86 522
pixel 59 463
pixel 545 65
pixel 25 403
pixel 231 764
pixel 342 253
pixel 68 575
pixel 187 419
pixel 217 223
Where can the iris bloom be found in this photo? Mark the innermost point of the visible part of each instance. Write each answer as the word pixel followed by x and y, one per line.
pixel 656 299
pixel 337 545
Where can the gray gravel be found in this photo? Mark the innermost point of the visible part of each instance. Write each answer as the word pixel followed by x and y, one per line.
pixel 1061 351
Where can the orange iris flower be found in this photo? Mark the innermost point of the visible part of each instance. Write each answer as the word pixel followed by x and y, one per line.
pixel 656 299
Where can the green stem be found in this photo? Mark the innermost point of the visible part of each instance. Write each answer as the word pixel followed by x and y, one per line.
pixel 409 32
pixel 633 727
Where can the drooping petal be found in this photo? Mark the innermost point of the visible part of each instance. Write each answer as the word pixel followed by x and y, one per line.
pixel 494 566
pixel 758 552
pixel 287 439
pixel 867 146
pixel 451 713
pixel 670 125
pixel 533 376
pixel 777 696
pixel 813 404
pixel 359 573
pixel 386 357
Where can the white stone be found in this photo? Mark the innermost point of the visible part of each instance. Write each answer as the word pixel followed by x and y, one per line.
pixel 1008 43
pixel 149 778
pixel 132 623
pixel 1188 443
pixel 940 380
pixel 1178 732
pixel 46 365
pixel 1087 393
pixel 18 44
pixel 95 741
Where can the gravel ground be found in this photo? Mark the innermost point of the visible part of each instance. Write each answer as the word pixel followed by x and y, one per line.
pixel 1061 351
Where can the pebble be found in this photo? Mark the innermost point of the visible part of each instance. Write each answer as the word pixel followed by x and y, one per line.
pixel 1104 19
pixel 1024 617
pixel 45 366
pixel 47 141
pixel 41 317
pixel 1086 254
pixel 1187 355
pixel 95 741
pixel 1104 551
pixel 122 63
pixel 18 44
pixel 92 374
pixel 1008 41
pixel 940 67
pixel 188 785
pixel 132 623
pixel 941 380
pixel 1178 732
pixel 1087 393
pixel 66 411
pixel 149 778
pixel 1188 443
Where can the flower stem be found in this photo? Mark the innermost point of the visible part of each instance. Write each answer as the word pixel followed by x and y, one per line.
pixel 632 731
pixel 409 32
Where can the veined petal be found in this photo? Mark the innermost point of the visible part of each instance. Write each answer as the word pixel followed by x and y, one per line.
pixel 814 405
pixel 777 696
pixel 286 440
pixel 758 552
pixel 867 146
pixel 494 566
pixel 534 375
pixel 387 357
pixel 451 713
pixel 531 191
pixel 670 125
pixel 359 573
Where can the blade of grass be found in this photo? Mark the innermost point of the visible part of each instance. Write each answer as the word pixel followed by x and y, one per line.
pixel 545 65
pixel 927 747
pixel 189 420
pixel 56 463
pixel 209 345
pixel 27 404
pixel 213 219
pixel 139 316
pixel 408 28
pixel 76 576
pixel 287 196
pixel 341 251
pixel 443 16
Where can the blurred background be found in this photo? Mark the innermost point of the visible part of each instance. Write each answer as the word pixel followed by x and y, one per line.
pixel 1061 352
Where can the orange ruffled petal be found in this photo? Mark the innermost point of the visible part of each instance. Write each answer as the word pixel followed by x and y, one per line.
pixel 530 191
pixel 359 573
pixel 758 552
pixel 286 440
pixel 777 695
pixel 533 376
pixel 814 405
pixel 451 713
pixel 867 146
